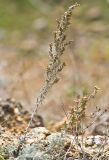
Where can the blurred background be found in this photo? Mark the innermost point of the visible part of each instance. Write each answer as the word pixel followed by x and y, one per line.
pixel 26 28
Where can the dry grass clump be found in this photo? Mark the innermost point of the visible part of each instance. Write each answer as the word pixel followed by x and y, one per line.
pixel 75 120
pixel 75 126
pixel 77 113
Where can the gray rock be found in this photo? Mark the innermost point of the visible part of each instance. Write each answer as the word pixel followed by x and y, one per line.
pixel 34 152
pixel 36 135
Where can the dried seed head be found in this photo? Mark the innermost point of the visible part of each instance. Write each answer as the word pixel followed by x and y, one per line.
pixel 56 49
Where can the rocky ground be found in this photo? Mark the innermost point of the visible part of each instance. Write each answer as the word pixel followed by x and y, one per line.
pixel 42 144
pixel 14 118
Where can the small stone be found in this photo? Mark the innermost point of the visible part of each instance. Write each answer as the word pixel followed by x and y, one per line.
pixel 89 142
pixel 16 111
pixel 37 134
pixel 94 146
pixel 98 140
pixel 67 143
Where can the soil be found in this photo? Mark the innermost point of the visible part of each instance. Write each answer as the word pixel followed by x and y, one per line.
pixel 14 118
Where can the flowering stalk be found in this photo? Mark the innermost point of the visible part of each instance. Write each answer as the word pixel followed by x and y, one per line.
pixel 56 50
